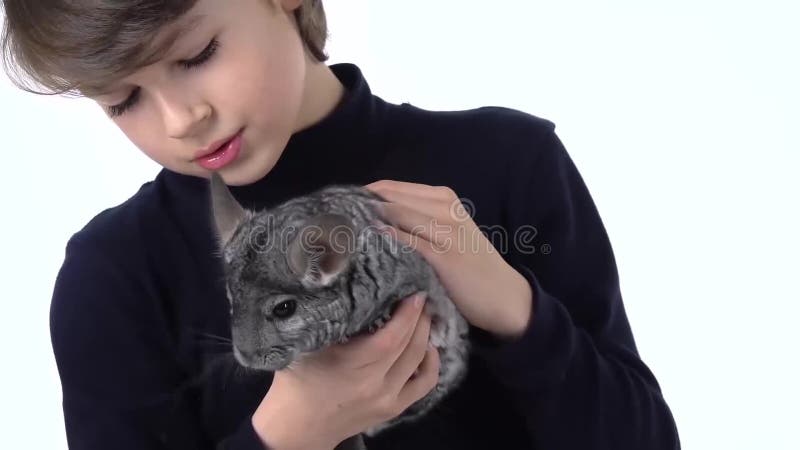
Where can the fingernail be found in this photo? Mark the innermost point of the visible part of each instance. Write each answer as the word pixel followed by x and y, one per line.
pixel 419 299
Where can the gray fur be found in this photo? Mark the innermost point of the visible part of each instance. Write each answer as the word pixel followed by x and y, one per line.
pixel 323 252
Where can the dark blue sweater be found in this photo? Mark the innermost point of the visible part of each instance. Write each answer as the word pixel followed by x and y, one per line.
pixel 140 291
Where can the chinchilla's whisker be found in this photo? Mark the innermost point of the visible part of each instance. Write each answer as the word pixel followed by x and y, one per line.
pixel 220 345
pixel 297 360
pixel 212 336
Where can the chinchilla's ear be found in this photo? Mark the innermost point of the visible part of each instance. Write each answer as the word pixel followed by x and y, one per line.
pixel 321 249
pixel 227 212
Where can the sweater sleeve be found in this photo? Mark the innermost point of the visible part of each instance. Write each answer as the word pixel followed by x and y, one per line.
pixel 121 386
pixel 575 373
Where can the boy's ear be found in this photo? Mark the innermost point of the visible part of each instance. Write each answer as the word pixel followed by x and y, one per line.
pixel 289 5
pixel 285 5
pixel 227 212
pixel 322 249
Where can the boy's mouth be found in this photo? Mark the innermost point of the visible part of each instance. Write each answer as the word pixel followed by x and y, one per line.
pixel 220 153
pixel 214 146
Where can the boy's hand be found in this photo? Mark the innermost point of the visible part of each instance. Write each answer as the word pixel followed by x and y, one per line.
pixel 490 293
pixel 340 391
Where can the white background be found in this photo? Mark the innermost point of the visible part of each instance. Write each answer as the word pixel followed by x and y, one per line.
pixel 682 117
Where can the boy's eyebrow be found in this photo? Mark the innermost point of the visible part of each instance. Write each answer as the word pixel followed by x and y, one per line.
pixel 177 32
pixel 162 47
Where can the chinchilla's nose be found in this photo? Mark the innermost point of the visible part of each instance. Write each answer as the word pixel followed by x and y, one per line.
pixel 244 343
pixel 244 355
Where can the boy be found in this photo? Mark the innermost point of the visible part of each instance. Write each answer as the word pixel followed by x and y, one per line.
pixel 240 87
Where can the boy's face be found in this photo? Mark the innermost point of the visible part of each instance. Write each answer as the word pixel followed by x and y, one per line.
pixel 253 82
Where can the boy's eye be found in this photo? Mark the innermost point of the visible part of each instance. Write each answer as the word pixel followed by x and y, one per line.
pixel 118 109
pixel 205 55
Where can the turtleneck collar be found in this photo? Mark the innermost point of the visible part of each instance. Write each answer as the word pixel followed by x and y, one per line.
pixel 340 148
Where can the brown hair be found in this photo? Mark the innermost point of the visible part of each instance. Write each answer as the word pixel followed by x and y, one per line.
pixel 78 47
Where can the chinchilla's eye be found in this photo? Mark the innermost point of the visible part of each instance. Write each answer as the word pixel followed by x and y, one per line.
pixel 284 309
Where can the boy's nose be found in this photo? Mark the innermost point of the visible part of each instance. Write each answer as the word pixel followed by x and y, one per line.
pixel 183 120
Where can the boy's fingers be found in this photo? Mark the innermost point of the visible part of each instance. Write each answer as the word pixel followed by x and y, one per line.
pixel 412 355
pixel 422 190
pixel 392 338
pixel 415 223
pixel 424 381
